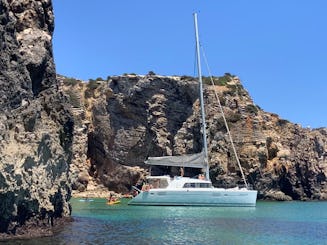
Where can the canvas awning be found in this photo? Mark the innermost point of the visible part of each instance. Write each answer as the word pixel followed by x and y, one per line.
pixel 193 161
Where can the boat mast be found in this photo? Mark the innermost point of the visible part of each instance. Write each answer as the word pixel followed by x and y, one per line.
pixel 203 113
pixel 204 134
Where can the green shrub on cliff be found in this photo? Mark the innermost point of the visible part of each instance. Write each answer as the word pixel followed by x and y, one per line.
pixel 282 122
pixel 187 78
pixel 251 109
pixel 71 81
pixel 74 99
pixel 233 89
pixel 218 81
pixel 90 88
pixel 151 73
pixel 233 117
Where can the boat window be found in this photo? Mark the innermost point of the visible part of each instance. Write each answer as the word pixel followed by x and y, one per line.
pixel 205 185
pixel 187 185
pixel 197 185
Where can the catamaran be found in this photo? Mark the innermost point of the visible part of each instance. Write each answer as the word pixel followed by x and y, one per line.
pixel 187 191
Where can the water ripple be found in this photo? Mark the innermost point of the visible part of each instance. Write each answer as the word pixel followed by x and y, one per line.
pixel 268 223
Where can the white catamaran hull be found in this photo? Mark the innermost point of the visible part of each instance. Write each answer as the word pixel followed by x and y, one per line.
pixel 197 197
pixel 186 191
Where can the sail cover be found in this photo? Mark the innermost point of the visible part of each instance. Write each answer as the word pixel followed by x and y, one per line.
pixel 193 161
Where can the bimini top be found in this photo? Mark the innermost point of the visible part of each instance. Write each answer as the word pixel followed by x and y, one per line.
pixel 193 161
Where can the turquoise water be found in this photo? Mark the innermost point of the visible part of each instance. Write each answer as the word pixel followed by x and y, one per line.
pixel 268 223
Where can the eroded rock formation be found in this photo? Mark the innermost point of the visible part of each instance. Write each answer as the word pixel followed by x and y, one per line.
pixel 132 117
pixel 35 125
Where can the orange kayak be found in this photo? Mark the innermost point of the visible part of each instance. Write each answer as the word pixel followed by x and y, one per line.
pixel 113 202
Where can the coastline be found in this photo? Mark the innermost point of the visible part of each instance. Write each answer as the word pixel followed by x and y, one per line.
pixel 92 194
pixel 36 229
pixel 94 191
pixel 42 228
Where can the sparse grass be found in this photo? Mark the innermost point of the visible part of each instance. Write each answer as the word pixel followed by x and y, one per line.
pixel 234 117
pixel 71 81
pixel 131 74
pixel 74 100
pixel 151 73
pixel 282 122
pixel 91 86
pixel 251 109
pixel 233 89
pixel 218 81
pixel 187 78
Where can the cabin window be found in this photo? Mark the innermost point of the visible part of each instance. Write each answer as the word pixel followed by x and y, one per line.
pixel 205 185
pixel 197 185
pixel 187 185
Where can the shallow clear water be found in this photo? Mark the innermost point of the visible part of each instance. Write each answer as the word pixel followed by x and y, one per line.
pixel 267 223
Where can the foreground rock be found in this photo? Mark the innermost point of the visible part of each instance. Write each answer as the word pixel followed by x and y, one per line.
pixel 35 126
pixel 128 118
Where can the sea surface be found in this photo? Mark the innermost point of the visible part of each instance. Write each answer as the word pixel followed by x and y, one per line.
pixel 95 222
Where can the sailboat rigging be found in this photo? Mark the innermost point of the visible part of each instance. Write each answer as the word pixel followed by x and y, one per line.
pixel 180 190
pixel 204 126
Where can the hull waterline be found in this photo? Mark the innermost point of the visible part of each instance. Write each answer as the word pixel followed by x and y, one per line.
pixel 187 197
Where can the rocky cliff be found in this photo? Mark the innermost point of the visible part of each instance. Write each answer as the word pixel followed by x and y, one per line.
pixel 128 118
pixel 35 125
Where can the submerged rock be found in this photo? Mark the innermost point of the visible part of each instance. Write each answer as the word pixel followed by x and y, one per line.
pixel 35 126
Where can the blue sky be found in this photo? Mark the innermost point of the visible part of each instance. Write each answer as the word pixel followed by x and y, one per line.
pixel 277 48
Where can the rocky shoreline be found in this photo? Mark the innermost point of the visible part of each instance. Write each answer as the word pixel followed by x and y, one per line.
pixel 36 229
pixel 36 125
pixel 61 137
pixel 100 192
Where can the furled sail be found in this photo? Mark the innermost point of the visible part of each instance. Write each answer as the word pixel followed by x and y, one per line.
pixel 193 160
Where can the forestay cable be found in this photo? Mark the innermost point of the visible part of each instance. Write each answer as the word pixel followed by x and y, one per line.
pixel 224 118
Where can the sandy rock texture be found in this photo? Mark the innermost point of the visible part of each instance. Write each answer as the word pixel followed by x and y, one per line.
pixel 132 117
pixel 36 128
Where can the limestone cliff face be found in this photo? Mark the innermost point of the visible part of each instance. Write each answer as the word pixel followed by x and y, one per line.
pixel 282 160
pixel 137 117
pixel 132 117
pixel 35 126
